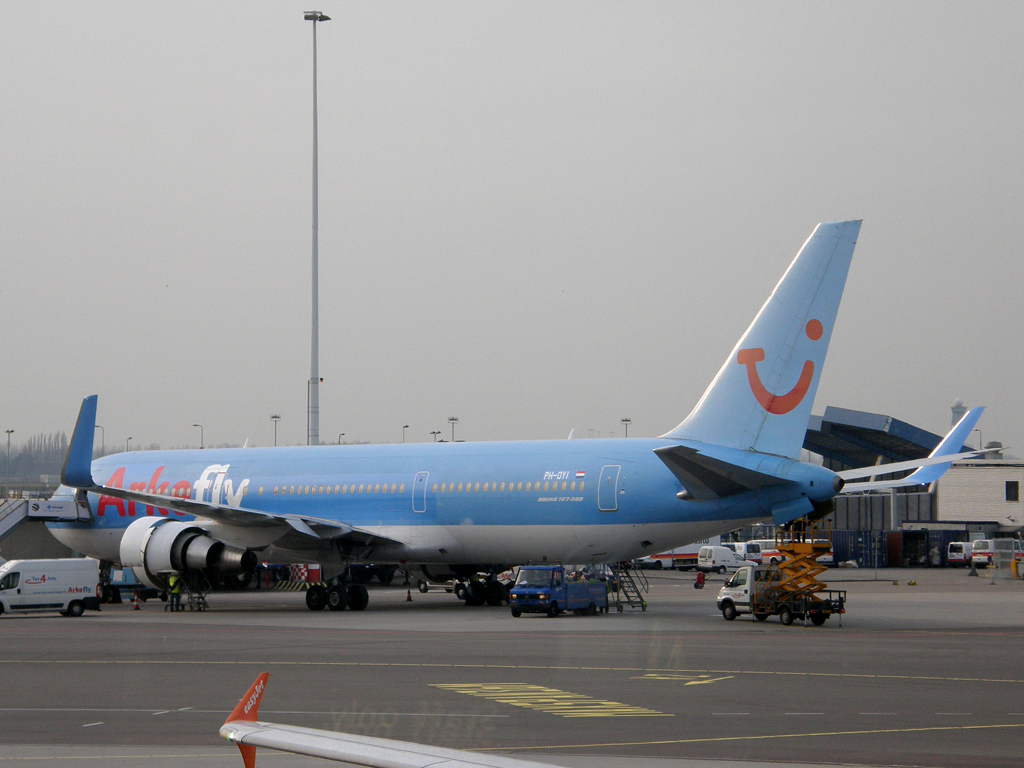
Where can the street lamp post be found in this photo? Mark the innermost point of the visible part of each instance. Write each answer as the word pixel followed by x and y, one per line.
pixel 275 418
pixel 435 433
pixel 626 422
pixel 7 480
pixel 404 427
pixel 340 435
pixel 202 436
pixel 453 420
pixel 127 443
pixel 103 439
pixel 313 406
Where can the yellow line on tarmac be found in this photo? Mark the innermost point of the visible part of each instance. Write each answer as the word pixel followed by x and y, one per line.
pixel 541 667
pixel 763 737
pixel 549 700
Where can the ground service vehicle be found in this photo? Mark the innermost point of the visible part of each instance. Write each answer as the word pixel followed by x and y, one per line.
pixel 748 550
pixel 67 585
pixel 548 589
pixel 958 553
pixel 983 551
pixel 770 591
pixel 683 558
pixel 718 559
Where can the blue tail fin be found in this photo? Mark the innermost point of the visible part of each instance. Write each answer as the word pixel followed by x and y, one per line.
pixel 761 398
pixel 77 469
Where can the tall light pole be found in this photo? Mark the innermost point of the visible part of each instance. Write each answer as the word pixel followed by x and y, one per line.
pixel 127 443
pixel 435 433
pixel 7 481
pixel 202 437
pixel 103 439
pixel 313 406
pixel 626 422
pixel 404 427
pixel 275 418
pixel 453 420
pixel 340 435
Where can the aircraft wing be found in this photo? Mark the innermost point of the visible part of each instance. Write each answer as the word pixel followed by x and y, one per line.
pixel 77 473
pixel 243 729
pixel 707 478
pixel 927 470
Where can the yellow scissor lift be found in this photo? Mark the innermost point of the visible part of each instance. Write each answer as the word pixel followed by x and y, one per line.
pixel 791 589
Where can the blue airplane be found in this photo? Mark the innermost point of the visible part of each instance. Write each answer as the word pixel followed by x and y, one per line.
pixel 448 510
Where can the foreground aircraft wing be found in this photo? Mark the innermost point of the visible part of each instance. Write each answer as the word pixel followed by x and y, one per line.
pixel 927 470
pixel 77 473
pixel 243 729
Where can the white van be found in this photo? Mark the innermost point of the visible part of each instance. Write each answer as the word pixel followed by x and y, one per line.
pixel 718 559
pixel 748 550
pixel 67 585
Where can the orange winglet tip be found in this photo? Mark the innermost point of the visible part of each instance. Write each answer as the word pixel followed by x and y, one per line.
pixel 248 755
pixel 250 702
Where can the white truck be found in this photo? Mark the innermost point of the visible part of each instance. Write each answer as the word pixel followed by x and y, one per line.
pixel 763 592
pixel 67 585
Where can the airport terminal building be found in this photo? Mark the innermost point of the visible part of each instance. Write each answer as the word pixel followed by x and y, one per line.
pixel 911 526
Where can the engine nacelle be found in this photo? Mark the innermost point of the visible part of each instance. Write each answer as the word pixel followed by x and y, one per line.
pixel 156 547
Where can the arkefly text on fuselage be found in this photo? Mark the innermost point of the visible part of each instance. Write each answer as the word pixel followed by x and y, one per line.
pixel 458 508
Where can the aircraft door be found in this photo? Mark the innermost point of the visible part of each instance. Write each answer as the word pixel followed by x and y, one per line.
pixel 419 492
pixel 608 488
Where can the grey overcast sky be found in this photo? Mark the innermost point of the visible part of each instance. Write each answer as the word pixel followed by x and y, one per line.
pixel 534 216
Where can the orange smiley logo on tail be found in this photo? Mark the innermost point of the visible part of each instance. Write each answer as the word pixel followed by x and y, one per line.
pixel 779 404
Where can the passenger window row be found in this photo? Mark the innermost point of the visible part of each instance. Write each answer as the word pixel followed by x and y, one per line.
pixel 503 487
pixel 300 490
pixel 305 490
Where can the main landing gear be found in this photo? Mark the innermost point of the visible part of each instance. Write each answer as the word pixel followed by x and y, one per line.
pixel 337 597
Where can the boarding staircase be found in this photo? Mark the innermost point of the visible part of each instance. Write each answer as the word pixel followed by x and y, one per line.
pixel 14 512
pixel 632 583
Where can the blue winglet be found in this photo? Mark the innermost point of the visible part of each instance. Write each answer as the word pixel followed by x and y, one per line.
pixel 77 469
pixel 951 443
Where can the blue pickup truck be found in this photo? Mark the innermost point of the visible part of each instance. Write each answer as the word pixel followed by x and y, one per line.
pixel 548 589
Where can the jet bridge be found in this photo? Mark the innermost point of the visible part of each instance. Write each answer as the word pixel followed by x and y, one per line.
pixel 14 512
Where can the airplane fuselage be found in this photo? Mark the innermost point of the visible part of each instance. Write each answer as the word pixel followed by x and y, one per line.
pixel 488 503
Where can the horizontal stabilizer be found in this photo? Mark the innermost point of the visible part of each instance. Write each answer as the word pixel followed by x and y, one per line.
pixel 707 478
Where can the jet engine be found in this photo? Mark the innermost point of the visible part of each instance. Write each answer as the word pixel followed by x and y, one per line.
pixel 155 547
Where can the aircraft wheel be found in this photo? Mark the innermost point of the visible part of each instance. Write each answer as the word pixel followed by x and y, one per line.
pixel 316 598
pixel 474 593
pixel 494 593
pixel 358 597
pixel 337 598
pixel 460 590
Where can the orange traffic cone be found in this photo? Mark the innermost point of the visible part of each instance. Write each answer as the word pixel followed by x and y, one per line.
pixel 408 595
pixel 135 602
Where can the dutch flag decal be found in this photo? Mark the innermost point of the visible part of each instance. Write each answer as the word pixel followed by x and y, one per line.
pixel 580 474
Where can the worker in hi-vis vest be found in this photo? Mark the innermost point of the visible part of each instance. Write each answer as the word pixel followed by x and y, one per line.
pixel 175 591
